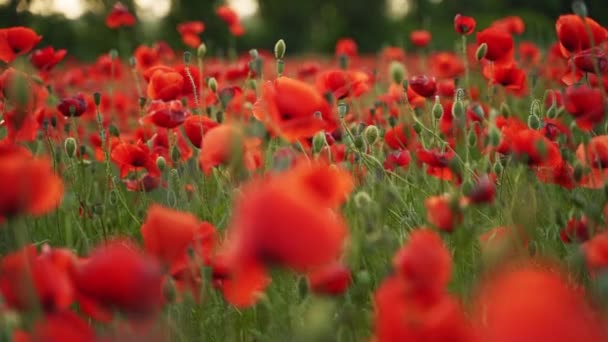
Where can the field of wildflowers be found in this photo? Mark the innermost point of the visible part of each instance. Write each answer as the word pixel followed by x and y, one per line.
pixel 423 195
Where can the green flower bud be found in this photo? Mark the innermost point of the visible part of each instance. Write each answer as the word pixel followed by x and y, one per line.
pixel 161 163
pixel 359 143
pixel 253 53
pixel 318 142
pixel 494 136
pixel 579 8
pixel 342 109
pixel 498 168
pixel 97 98
pixel 279 49
pixel 472 139
pixel 70 147
pixel 505 110
pixel 187 57
pixel 437 109
pixel 458 110
pixel 113 54
pixel 481 52
pixel 397 72
pixel 371 133
pixel 212 84
pixel 113 131
pixel 201 51
pixel 534 122
pixel 362 200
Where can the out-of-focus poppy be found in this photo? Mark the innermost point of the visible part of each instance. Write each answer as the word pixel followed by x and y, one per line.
pixel 343 83
pixel 529 54
pixel 483 191
pixel 166 114
pixel 500 45
pixel 119 16
pixel 509 76
pixel 45 59
pixel 190 33
pixel 541 305
pixel 146 183
pixel 117 276
pixel 73 106
pixel 446 65
pixel 16 41
pixel 420 38
pixel 226 144
pixel 512 24
pixel 332 279
pixel 572 33
pixel 228 15
pixel 586 105
pixel 397 159
pixel 589 60
pixel 577 230
pixel 400 137
pixel 133 157
pixel 28 184
pixel 165 85
pixel 61 326
pixel 423 85
pixel 443 212
pixel 596 253
pixel 346 47
pixel 464 25
pixel 145 57
pixel 196 126
pixel 294 109
pixel 437 162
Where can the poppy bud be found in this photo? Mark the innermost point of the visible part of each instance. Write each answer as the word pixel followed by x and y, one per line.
pixel 552 112
pixel 279 49
pixel 343 61
pixel 72 106
pixel 455 166
pixel 253 53
pixel 161 163
pixel 169 290
pixel 498 168
pixel 579 171
pixel 201 51
pixel 417 127
pixel 481 52
pixel 318 142
pixel 437 109
pixel 371 133
pixel 113 54
pixel 359 143
pixel 467 187
pixel 579 8
pixel 97 98
pixel 175 154
pixel 397 71
pixel 362 200
pixel 342 110
pixel 405 84
pixel 187 57
pixel 505 110
pixel 472 139
pixel 70 147
pixel 212 84
pixel 458 110
pixel 113 131
pixel 534 122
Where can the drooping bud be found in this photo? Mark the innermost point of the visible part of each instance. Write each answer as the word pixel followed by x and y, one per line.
pixel 371 133
pixel 279 49
pixel 161 163
pixel 70 147
pixel 113 131
pixel 201 51
pixel 212 84
pixel 481 52
pixel 318 142
pixel 397 72
pixel 437 109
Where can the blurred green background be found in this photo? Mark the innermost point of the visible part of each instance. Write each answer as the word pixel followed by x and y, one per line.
pixel 306 25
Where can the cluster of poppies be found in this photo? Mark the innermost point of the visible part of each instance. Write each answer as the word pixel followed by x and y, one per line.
pixel 293 139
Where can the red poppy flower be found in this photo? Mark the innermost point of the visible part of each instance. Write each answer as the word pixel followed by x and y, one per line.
pixel 16 41
pixel 397 159
pixel 228 15
pixel 483 190
pixel 586 105
pixel 133 157
pixel 529 53
pixel 117 276
pixel 572 33
pixel 196 126
pixel 437 162
pixel 533 147
pixel 513 25
pixel 237 30
pixel 464 25
pixel 541 305
pixel 28 280
pixel 227 144
pixel 509 76
pixel 342 84
pixel 294 109
pixel 45 59
pixel 346 47
pixel 587 60
pixel 420 38
pixel 400 137
pixel 190 33
pixel 500 45
pixel 332 279
pixel 145 183
pixel 72 106
pixel 119 16
pixel 423 85
pixel 28 185
pixel 442 212
pixel 166 114
pixel 146 57
pixel 61 326
pixel 165 85
pixel 577 230
pixel 596 253
pixel 446 65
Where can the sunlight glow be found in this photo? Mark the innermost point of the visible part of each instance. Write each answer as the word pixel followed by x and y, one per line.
pixel 398 8
pixel 152 9
pixel 244 8
pixel 71 9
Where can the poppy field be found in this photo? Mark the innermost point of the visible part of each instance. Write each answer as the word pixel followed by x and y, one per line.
pixel 454 194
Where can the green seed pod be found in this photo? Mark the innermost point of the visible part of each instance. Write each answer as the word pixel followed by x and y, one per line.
pixel 70 147
pixel 279 49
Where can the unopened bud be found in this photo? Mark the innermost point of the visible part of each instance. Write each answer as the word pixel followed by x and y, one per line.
pixel 481 52
pixel 362 200
pixel 552 112
pixel 161 163
pixel 175 154
pixel 505 110
pixel 397 71
pixel 534 122
pixel 417 127
pixel 201 51
pixel 70 147
pixel 280 66
pixel 494 136
pixel 318 142
pixel 253 53
pixel 359 143
pixel 579 171
pixel 113 131
pixel 437 109
pixel 458 110
pixel 342 110
pixel 472 139
pixel 187 57
pixel 371 133
pixel 498 168
pixel 279 49
pixel 212 84
pixel 97 98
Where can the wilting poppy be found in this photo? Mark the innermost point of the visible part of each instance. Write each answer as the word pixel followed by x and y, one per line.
pixel 572 33
pixel 45 59
pixel 420 38
pixel 166 114
pixel 464 25
pixel 119 16
pixel 294 109
pixel 500 45
pixel 117 276
pixel 165 85
pixel 28 185
pixel 190 32
pixel 541 305
pixel 16 41
pixel 332 279
pixel 586 105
